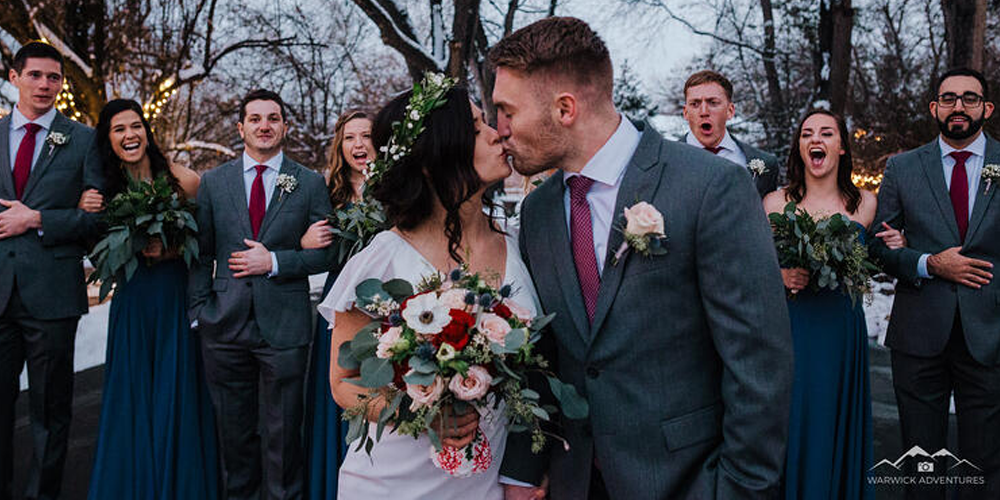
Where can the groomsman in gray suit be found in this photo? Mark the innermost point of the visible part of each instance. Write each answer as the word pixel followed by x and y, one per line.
pixel 944 330
pixel 253 313
pixel 684 357
pixel 708 106
pixel 46 161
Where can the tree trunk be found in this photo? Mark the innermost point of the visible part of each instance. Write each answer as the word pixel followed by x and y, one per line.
pixel 832 59
pixel 776 120
pixel 463 39
pixel 965 32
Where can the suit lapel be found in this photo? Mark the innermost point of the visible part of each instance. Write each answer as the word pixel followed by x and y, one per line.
pixel 640 184
pixel 931 159
pixel 238 195
pixel 983 198
pixel 553 222
pixel 60 125
pixel 277 197
pixel 6 172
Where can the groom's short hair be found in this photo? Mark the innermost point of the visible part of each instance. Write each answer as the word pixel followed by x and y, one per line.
pixel 558 46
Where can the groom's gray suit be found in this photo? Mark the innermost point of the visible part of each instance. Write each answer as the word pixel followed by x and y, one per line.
pixel 687 364
pixel 257 328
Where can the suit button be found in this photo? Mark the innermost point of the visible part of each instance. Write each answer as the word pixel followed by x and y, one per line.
pixel 592 372
pixel 954 287
pixel 11 253
pixel 248 284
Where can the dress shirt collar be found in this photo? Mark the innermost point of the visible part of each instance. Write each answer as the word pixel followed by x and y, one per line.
pixel 727 143
pixel 608 164
pixel 274 163
pixel 18 120
pixel 978 146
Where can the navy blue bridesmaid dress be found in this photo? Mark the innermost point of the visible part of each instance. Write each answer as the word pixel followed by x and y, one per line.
pixel 830 425
pixel 156 437
pixel 326 433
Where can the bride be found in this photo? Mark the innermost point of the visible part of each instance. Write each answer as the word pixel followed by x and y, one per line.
pixel 433 195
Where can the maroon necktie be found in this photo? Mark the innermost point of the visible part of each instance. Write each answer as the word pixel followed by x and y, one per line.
pixel 714 150
pixel 582 237
pixel 960 192
pixel 257 202
pixel 25 153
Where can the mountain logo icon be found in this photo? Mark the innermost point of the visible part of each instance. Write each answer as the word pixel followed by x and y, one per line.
pixel 942 457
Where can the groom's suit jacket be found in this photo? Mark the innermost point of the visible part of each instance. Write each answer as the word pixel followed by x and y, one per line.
pixel 220 303
pixel 914 196
pixel 687 365
pixel 48 267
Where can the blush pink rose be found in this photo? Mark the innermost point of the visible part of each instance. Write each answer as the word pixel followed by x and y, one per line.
pixel 494 327
pixel 520 312
pixel 386 341
pixel 473 386
pixel 643 218
pixel 425 395
pixel 454 298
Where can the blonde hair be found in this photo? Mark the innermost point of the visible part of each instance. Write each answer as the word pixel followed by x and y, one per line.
pixel 341 189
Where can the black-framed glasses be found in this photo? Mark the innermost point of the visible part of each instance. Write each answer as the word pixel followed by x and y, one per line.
pixel 969 99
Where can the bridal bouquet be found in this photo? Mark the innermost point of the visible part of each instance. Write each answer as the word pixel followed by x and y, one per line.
pixel 454 342
pixel 143 211
pixel 828 248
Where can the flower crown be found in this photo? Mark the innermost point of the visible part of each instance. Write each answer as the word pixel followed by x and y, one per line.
pixel 428 95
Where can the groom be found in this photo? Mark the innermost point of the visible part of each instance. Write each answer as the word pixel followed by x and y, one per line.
pixel 685 357
pixel 253 314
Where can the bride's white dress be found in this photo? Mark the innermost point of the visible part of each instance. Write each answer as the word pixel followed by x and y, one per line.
pixel 400 466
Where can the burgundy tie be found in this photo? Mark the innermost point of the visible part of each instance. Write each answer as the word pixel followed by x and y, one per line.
pixel 715 150
pixel 257 201
pixel 960 192
pixel 25 153
pixel 582 236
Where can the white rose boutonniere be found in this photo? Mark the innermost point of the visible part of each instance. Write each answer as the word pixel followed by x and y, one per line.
pixel 286 183
pixel 56 139
pixel 991 173
pixel 643 231
pixel 756 167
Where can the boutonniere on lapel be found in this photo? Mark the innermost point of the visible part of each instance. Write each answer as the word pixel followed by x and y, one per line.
pixel 643 232
pixel 56 139
pixel 286 184
pixel 991 173
pixel 756 167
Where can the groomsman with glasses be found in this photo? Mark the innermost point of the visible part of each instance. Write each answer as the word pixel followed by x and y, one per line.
pixel 944 331
pixel 46 161
pixel 708 106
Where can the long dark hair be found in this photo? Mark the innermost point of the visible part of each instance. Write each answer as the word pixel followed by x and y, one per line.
pixel 115 178
pixel 796 165
pixel 440 165
pixel 341 188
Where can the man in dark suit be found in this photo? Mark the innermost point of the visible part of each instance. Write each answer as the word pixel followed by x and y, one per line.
pixel 254 314
pixel 944 330
pixel 708 106
pixel 46 161
pixel 685 357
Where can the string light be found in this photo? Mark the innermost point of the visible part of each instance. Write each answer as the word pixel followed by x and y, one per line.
pixel 158 101
pixel 66 102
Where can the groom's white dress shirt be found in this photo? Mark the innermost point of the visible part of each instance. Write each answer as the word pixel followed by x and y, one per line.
pixel 607 169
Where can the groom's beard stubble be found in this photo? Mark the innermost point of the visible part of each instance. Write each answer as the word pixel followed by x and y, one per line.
pixel 544 149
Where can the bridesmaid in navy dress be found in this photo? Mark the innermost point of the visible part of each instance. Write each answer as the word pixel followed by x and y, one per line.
pixel 156 438
pixel 830 435
pixel 325 431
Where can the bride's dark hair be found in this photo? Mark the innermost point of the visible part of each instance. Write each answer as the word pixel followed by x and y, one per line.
pixel 440 165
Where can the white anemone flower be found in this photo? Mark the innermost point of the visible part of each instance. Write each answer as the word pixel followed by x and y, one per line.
pixel 426 315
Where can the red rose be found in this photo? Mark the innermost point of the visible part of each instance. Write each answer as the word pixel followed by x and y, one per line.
pixel 502 311
pixel 457 332
pixel 398 371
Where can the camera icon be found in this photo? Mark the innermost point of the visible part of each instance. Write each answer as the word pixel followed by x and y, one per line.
pixel 925 466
